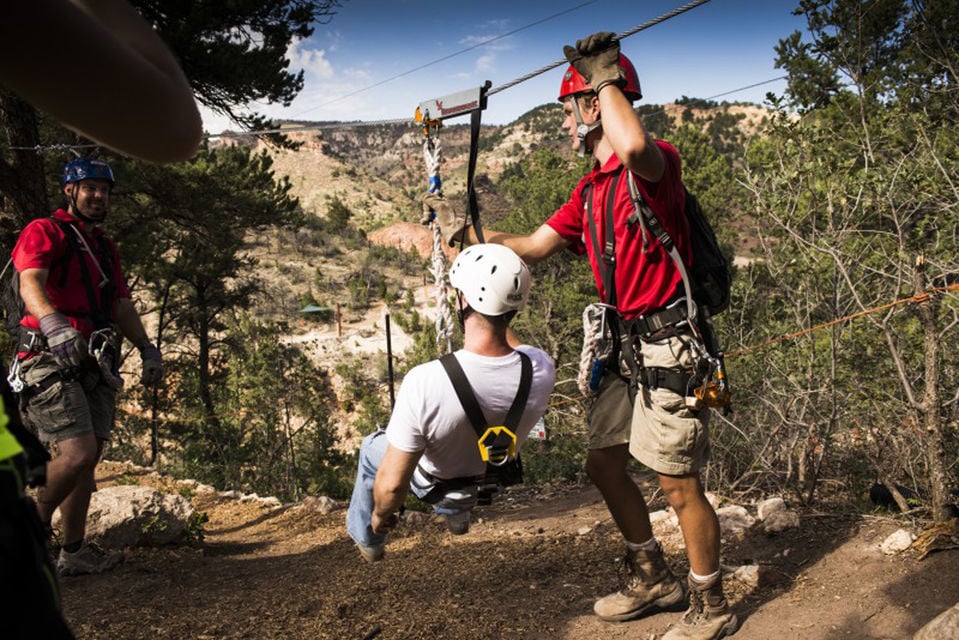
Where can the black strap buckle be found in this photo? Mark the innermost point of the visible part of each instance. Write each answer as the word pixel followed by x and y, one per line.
pixel 673 379
pixel 657 325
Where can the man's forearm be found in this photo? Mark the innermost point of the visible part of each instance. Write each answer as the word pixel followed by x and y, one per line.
pixel 128 320
pixel 388 500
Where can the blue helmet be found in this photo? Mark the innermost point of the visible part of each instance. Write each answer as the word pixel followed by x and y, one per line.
pixel 86 169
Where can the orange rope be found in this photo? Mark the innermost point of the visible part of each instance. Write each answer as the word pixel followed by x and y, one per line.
pixel 917 298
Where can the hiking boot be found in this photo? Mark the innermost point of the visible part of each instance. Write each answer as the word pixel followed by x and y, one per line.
pixel 708 616
pixel 649 586
pixel 458 523
pixel 89 558
pixel 372 554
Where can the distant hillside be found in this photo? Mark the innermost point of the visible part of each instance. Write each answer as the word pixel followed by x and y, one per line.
pixel 379 171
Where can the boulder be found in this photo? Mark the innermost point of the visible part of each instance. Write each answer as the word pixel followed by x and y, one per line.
pixel 779 521
pixel 734 521
pixel 770 506
pixel 945 625
pixel 896 542
pixel 132 516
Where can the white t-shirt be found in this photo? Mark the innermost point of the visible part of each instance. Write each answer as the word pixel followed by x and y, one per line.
pixel 428 416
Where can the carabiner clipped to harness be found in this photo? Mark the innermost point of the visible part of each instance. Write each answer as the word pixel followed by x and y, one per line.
pixel 714 391
pixel 17 384
pixel 103 349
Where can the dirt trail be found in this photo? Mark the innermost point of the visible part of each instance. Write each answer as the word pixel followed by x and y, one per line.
pixel 530 568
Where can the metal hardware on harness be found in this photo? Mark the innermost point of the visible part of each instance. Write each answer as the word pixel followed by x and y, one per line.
pixel 497 445
pixel 102 348
pixel 100 344
pixel 17 385
pixel 652 325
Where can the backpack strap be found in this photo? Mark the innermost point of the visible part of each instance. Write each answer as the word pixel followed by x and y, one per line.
pixel 656 228
pixel 100 305
pixel 496 445
pixel 605 260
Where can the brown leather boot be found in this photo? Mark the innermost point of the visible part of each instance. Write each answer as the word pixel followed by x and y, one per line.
pixel 649 586
pixel 708 617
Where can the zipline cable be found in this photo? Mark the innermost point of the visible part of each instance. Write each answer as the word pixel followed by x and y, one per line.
pixel 451 55
pixel 494 90
pixel 620 36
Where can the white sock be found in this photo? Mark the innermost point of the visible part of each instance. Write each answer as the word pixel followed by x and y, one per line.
pixel 702 579
pixel 649 545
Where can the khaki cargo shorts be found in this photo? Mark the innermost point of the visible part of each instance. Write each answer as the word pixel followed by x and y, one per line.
pixel 662 432
pixel 63 409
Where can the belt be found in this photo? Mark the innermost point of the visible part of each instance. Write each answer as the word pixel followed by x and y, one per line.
pixel 651 324
pixel 660 378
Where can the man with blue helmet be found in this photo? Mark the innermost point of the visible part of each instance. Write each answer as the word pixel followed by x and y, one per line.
pixel 77 308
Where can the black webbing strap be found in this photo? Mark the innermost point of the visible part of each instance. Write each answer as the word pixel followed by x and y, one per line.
pixel 101 305
pixel 605 259
pixel 473 205
pixel 652 220
pixel 468 399
pixel 72 248
pixel 676 380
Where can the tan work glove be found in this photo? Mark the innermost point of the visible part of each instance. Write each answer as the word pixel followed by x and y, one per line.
pixel 452 227
pixel 596 57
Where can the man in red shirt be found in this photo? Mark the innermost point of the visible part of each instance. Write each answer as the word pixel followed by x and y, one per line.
pixel 641 407
pixel 75 301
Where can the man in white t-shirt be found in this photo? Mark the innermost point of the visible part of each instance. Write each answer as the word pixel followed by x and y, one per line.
pixel 430 445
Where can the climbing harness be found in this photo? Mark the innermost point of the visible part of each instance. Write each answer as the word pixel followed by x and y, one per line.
pixel 497 444
pixel 705 384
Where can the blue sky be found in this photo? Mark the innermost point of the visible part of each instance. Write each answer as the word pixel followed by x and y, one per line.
pixel 366 63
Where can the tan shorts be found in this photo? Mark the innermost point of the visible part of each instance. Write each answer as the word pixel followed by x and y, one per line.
pixel 662 432
pixel 63 409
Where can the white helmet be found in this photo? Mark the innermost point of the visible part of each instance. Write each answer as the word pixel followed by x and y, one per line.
pixel 493 279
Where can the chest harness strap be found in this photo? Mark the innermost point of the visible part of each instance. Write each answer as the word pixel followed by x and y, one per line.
pixel 652 326
pixel 497 444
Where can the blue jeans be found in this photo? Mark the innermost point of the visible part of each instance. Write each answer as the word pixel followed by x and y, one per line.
pixel 360 513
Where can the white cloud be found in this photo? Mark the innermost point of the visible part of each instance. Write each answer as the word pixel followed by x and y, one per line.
pixel 495 30
pixel 504 44
pixel 485 63
pixel 312 61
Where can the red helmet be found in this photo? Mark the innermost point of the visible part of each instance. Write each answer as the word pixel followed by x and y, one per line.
pixel 573 81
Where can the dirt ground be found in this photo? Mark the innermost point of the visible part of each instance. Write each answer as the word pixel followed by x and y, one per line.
pixel 531 567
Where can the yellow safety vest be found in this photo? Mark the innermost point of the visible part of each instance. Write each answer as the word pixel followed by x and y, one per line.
pixel 9 446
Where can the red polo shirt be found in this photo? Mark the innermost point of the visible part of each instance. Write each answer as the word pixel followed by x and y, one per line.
pixel 646 279
pixel 42 244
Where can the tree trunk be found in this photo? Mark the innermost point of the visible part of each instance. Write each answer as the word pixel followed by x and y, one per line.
pixel 931 421
pixel 23 195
